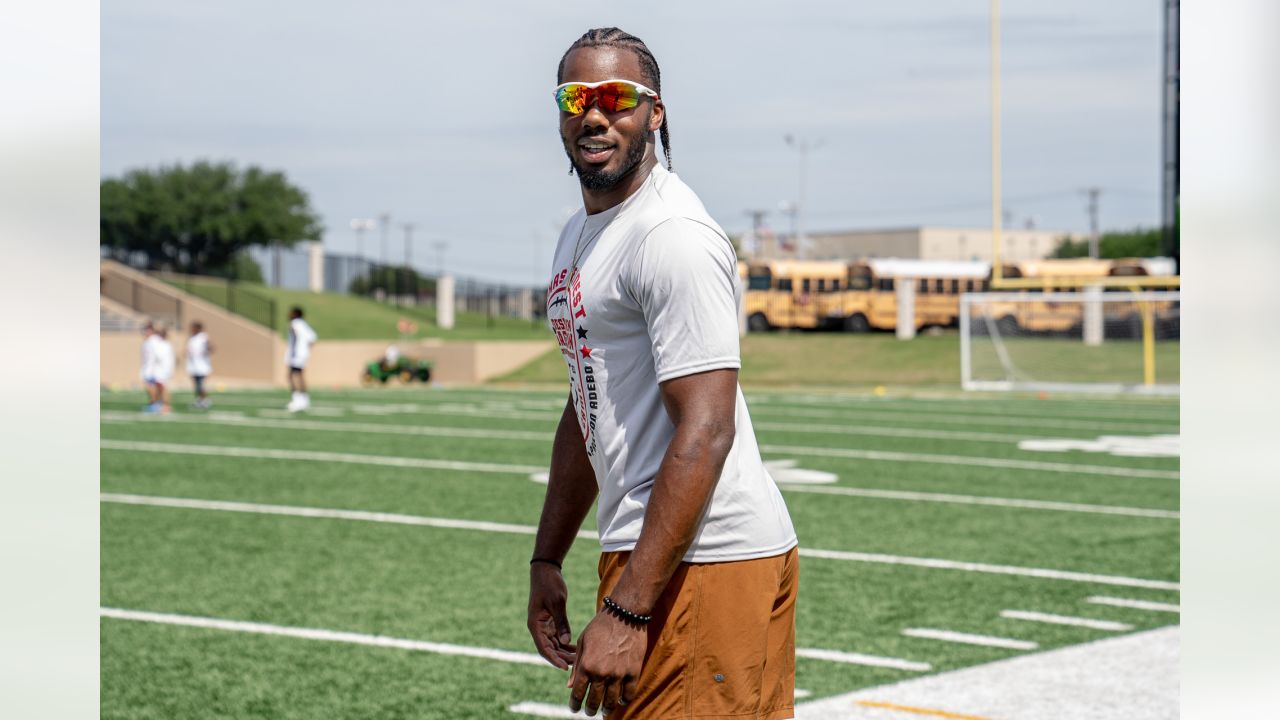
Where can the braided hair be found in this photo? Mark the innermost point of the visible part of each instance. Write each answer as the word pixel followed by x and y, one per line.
pixel 614 38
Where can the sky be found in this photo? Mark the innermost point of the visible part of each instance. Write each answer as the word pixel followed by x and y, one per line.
pixel 441 113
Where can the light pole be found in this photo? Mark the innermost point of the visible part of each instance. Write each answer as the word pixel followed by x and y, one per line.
pixel 384 221
pixel 360 225
pixel 802 146
pixel 410 275
pixel 997 270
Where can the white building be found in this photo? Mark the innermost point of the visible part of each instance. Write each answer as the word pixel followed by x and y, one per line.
pixel 922 242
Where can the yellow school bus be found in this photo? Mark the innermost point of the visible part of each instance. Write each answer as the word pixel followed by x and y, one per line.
pixel 786 293
pixel 870 301
pixel 1070 275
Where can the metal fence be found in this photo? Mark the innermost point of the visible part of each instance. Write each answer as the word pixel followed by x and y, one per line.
pixel 229 294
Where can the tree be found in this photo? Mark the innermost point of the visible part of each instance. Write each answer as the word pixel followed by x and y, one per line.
pixel 1139 242
pixel 197 219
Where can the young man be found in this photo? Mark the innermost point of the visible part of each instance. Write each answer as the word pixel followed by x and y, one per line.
pixel 301 338
pixel 696 538
pixel 157 367
pixel 198 365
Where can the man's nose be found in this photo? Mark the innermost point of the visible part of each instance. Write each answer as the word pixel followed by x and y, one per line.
pixel 594 117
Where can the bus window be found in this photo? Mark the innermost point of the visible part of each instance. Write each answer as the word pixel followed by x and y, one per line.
pixel 822 284
pixel 922 287
pixel 759 281
pixel 784 284
pixel 835 284
pixel 859 281
pixel 939 285
pixel 886 284
pixel 955 287
pixel 804 285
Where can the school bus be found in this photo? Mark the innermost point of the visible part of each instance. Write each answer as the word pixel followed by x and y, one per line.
pixel 870 300
pixel 786 293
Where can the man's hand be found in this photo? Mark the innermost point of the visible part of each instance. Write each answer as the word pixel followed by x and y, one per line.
pixel 548 623
pixel 611 655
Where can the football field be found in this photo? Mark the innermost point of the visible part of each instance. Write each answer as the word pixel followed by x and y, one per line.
pixel 369 559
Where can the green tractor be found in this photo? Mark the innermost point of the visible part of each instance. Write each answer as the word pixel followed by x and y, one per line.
pixel 405 369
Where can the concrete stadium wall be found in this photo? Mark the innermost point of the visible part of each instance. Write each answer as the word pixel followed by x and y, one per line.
pixel 340 363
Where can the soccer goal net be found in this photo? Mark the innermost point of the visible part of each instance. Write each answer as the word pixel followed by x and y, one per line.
pixel 1089 341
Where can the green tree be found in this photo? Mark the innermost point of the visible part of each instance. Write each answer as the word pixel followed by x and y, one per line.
pixel 197 219
pixel 1139 242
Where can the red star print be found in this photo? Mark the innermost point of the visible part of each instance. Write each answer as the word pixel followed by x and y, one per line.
pixel 586 351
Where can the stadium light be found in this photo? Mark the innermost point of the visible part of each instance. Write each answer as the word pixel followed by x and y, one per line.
pixel 360 225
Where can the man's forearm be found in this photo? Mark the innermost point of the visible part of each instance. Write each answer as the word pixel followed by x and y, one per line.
pixel 684 485
pixel 571 488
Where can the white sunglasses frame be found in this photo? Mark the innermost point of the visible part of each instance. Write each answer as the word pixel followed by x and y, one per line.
pixel 641 88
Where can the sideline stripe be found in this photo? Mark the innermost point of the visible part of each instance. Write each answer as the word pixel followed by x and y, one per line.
pixel 917 711
pixel 309 512
pixel 365 427
pixel 989 420
pixel 1065 620
pixel 977 461
pixel 256 628
pixel 974 406
pixel 1135 604
pixel 860 659
pixel 932 563
pixel 272 454
pixel 547 710
pixel 937 564
pixel 979 500
pixel 968 639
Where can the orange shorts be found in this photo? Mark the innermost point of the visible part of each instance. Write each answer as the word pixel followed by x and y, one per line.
pixel 722 642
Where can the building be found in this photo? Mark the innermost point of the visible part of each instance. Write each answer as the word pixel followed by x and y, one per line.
pixel 921 242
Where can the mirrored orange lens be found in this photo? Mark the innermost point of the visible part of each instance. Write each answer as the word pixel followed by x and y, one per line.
pixel 610 97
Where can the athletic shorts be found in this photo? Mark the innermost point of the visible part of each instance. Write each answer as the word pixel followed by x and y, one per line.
pixel 722 642
pixel 199 380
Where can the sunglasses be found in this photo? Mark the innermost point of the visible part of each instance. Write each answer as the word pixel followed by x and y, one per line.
pixel 608 95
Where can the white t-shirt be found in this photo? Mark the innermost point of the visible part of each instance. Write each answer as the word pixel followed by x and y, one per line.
pixel 654 298
pixel 301 337
pixel 157 359
pixel 198 364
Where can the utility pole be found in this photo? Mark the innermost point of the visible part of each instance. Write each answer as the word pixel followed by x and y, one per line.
pixel 440 247
pixel 802 146
pixel 1093 194
pixel 757 222
pixel 360 225
pixel 1170 171
pixel 384 221
pixel 411 277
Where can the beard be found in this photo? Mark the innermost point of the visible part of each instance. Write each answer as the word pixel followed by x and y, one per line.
pixel 600 179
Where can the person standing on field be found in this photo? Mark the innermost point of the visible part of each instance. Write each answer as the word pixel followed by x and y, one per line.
pixel 198 365
pixel 157 367
pixel 301 338
pixel 695 536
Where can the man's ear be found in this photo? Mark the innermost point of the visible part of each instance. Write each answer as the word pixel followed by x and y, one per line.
pixel 658 115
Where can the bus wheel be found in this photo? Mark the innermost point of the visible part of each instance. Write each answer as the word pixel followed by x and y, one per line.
pixel 758 323
pixel 856 323
pixel 1007 325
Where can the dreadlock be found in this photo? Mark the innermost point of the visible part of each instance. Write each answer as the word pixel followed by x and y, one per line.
pixel 615 38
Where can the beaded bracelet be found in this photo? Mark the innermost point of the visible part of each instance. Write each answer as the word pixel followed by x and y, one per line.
pixel 624 614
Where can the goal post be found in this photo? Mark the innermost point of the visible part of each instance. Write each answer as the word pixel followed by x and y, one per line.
pixel 1089 341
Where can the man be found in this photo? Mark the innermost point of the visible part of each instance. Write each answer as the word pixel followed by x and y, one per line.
pixel 301 338
pixel 157 367
pixel 696 538
pixel 198 365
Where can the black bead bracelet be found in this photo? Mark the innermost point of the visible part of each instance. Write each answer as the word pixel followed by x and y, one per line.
pixel 624 614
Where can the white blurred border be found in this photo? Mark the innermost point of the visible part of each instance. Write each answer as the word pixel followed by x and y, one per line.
pixel 1230 357
pixel 49 361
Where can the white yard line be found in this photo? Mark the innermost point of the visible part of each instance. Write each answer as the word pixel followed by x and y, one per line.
pixel 850 658
pixel 257 628
pixel 881 431
pixel 989 420
pixel 1071 620
pixel 1135 604
pixel 310 512
pixel 932 563
pixel 1056 409
pixel 968 639
pixel 317 456
pixel 546 710
pixel 360 427
pixel 939 564
pixel 980 500
pixel 977 461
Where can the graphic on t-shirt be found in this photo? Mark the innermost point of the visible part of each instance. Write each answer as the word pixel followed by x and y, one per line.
pixel 567 315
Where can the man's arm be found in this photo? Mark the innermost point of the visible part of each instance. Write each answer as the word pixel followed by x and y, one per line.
pixel 702 408
pixel 571 488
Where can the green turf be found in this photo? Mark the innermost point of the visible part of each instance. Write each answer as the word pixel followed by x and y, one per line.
pixel 338 316
pixel 468 587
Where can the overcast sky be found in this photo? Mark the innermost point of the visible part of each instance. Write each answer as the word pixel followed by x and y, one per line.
pixel 441 113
